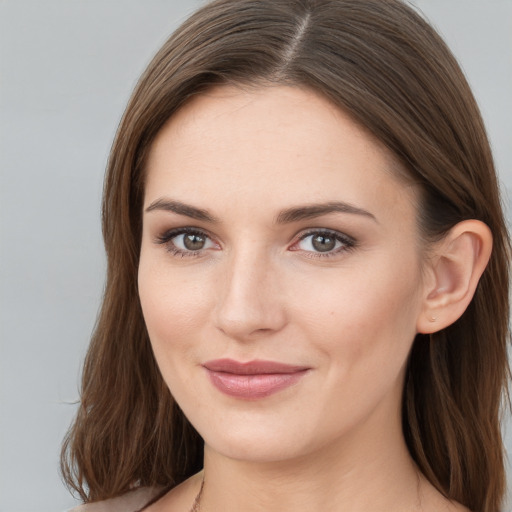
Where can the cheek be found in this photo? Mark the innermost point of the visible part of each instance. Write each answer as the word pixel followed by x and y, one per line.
pixel 358 314
pixel 362 332
pixel 174 307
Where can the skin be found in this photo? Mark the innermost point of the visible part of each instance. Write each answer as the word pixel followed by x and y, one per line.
pixel 259 289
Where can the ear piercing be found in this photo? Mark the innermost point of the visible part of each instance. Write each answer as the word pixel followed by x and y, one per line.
pixel 432 318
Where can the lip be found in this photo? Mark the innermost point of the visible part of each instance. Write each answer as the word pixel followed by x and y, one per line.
pixel 252 380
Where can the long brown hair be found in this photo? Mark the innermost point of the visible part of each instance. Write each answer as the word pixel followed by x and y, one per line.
pixel 379 61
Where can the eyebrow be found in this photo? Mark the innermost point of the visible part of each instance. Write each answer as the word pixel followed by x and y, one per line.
pixel 286 216
pixel 187 210
pixel 317 210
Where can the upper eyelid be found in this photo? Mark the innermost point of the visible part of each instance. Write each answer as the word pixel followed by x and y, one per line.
pixel 303 232
pixel 169 234
pixel 165 239
pixel 337 234
pixel 174 232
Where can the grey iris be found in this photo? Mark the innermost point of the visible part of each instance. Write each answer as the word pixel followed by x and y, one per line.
pixel 193 242
pixel 323 243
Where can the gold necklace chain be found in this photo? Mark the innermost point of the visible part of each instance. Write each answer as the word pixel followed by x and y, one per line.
pixel 197 501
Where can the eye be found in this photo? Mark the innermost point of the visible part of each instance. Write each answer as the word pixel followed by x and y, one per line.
pixel 186 241
pixel 323 243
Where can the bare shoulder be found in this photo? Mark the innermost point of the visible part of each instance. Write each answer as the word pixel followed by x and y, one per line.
pixel 130 502
pixel 179 499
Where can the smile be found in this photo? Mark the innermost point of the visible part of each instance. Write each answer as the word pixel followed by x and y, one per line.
pixel 252 380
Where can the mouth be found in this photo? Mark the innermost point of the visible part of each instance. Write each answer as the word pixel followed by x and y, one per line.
pixel 252 380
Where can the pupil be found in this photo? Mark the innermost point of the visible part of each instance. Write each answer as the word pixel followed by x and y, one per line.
pixel 323 243
pixel 193 242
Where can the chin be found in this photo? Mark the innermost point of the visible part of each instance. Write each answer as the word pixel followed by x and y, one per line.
pixel 262 438
pixel 258 447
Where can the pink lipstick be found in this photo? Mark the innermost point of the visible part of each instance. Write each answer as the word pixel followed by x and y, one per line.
pixel 254 379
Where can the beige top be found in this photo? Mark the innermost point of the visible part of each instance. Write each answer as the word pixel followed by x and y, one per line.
pixel 133 501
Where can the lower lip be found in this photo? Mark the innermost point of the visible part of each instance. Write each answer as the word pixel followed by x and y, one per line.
pixel 253 387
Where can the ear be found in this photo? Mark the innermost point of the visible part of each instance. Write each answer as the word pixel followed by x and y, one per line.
pixel 453 273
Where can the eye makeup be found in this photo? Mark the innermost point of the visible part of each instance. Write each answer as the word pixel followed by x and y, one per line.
pixel 323 243
pixel 186 241
pixel 314 243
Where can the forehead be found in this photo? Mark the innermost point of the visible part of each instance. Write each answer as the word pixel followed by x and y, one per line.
pixel 278 144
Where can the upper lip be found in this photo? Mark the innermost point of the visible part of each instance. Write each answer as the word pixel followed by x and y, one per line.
pixel 256 367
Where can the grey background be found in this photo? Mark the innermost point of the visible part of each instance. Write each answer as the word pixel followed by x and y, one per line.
pixel 66 70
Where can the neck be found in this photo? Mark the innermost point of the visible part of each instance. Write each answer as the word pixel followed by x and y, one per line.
pixel 380 477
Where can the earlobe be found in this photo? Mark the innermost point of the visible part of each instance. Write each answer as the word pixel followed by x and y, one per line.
pixel 459 261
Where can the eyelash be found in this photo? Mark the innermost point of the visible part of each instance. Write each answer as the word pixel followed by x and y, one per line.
pixel 348 243
pixel 166 239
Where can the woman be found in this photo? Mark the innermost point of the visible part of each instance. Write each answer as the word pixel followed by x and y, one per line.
pixel 307 294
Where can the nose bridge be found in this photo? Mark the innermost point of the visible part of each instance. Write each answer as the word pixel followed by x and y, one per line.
pixel 249 302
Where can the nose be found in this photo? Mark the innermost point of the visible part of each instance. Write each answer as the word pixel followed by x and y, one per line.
pixel 250 303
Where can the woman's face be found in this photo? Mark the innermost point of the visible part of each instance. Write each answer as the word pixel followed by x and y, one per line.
pixel 280 273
